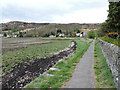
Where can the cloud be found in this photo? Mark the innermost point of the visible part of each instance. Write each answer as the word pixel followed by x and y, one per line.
pixel 83 16
pixel 60 11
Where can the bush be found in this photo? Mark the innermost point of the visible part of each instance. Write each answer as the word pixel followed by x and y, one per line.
pixel 46 35
pixel 14 30
pixel 20 34
pixel 111 40
pixel 91 34
pixel 5 34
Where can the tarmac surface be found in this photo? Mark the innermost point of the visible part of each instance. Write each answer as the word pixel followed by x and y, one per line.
pixel 83 76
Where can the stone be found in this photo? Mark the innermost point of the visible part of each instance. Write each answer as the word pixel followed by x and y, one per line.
pixel 55 69
pixel 112 55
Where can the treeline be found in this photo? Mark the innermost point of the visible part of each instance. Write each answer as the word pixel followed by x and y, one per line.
pixel 65 33
pixel 20 34
pixel 112 24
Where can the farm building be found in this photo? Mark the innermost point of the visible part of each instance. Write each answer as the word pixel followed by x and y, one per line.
pixel 81 34
pixel 78 34
pixel 14 35
pixel 84 33
pixel 1 35
pixel 52 36
pixel 61 35
pixel 9 35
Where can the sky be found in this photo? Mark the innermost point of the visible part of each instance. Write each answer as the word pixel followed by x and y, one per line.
pixel 54 11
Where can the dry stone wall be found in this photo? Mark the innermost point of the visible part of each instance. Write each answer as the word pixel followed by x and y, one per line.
pixel 112 55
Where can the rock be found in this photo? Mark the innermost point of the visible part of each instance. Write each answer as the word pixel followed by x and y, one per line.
pixel 55 69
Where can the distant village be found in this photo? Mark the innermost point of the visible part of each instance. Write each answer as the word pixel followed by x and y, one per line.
pixel 16 29
pixel 82 34
pixel 2 35
pixel 76 32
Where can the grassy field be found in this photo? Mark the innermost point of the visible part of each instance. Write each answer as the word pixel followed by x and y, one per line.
pixel 12 44
pixel 66 69
pixel 110 40
pixel 31 52
pixel 103 74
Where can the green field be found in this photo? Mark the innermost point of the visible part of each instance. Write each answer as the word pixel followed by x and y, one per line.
pixel 31 52
pixel 66 68
pixel 103 74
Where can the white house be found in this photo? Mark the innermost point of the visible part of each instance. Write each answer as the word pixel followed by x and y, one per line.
pixel 9 35
pixel 61 35
pixel 79 35
pixel 1 35
pixel 51 36
pixel 14 35
pixel 85 34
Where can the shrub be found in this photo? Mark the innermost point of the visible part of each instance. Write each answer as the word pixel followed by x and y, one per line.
pixel 20 34
pixel 91 34
pixel 46 35
pixel 5 34
pixel 111 40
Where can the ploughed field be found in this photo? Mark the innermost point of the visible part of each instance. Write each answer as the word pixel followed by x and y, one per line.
pixel 25 57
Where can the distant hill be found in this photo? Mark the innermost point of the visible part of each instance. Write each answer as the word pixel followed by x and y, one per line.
pixel 44 28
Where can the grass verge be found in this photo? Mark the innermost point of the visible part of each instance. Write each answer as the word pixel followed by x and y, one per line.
pixel 111 40
pixel 103 74
pixel 66 68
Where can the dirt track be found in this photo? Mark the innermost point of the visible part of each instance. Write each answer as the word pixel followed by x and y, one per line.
pixel 23 73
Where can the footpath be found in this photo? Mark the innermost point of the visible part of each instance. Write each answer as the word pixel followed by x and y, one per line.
pixel 83 76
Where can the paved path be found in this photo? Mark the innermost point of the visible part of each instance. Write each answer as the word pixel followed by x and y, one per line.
pixel 83 76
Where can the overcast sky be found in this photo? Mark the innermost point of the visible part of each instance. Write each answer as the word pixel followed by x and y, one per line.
pixel 54 11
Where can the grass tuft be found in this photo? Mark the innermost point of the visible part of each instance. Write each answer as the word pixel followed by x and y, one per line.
pixel 104 77
pixel 31 53
pixel 66 69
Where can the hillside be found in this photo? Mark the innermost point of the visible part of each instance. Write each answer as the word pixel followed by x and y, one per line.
pixel 41 29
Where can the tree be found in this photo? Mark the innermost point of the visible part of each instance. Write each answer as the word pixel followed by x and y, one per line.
pixel 5 34
pixel 20 34
pixel 14 30
pixel 66 33
pixel 112 24
pixel 52 33
pixel 113 20
pixel 59 31
pixel 57 35
pixel 36 34
pixel 70 33
pixel 91 34
pixel 46 35
pixel 104 29
pixel 76 29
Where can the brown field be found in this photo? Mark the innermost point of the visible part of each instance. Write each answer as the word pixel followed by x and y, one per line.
pixel 18 43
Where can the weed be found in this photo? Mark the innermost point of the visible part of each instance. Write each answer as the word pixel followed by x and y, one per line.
pixel 111 40
pixel 104 77
pixel 30 53
pixel 66 69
